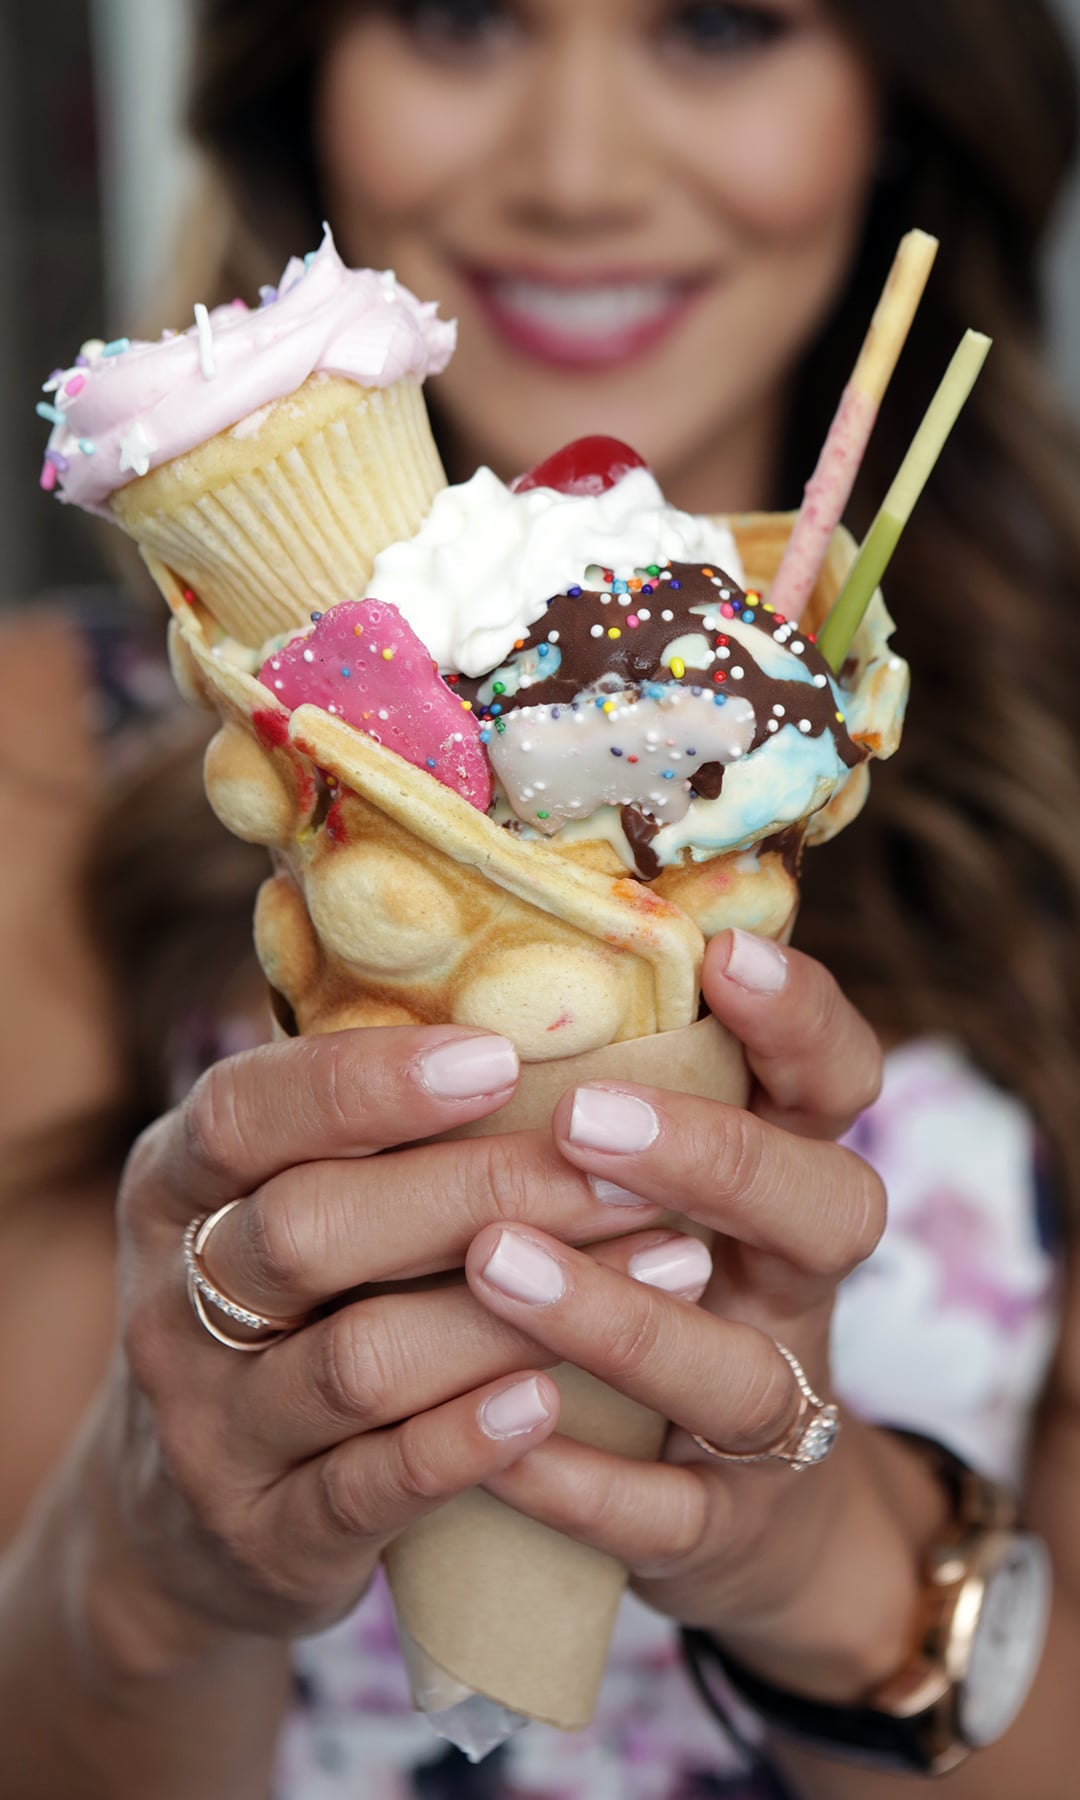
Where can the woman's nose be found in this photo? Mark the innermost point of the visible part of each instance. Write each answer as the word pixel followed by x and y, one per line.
pixel 579 160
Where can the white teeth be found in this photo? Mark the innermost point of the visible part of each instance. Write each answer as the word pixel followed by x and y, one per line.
pixel 586 312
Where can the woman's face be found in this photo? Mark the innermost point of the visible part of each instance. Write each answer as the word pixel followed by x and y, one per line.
pixel 638 210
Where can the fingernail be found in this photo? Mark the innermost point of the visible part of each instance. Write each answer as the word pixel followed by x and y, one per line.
pixel 609 1193
pixel 681 1266
pixel 520 1269
pixel 514 1410
pixel 604 1120
pixel 466 1068
pixel 756 964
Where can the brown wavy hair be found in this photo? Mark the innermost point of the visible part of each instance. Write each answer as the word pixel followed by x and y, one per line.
pixel 954 905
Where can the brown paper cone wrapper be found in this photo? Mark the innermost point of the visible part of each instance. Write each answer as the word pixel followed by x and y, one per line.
pixel 496 1603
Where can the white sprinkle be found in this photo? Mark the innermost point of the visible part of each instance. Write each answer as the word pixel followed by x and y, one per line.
pixel 206 342
pixel 605 599
pixel 383 714
pixel 737 674
pixel 773 726
pixel 279 685
pixel 553 637
pixel 805 725
pixel 135 450
pixel 667 616
pixel 275 664
pixel 644 614
pixel 596 631
pixel 821 681
pixel 625 599
pixel 797 649
pixel 779 711
pixel 309 656
pixel 332 709
pixel 665 574
pixel 723 651
pixel 525 681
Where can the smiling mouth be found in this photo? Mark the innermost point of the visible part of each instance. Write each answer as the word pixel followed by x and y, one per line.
pixel 581 324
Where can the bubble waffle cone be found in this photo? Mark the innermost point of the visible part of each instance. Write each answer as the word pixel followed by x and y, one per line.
pixel 394 901
pixel 289 509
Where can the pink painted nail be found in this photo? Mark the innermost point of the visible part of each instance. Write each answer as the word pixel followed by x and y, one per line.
pixel 467 1068
pixel 756 964
pixel 609 1193
pixel 515 1410
pixel 520 1269
pixel 605 1120
pixel 681 1266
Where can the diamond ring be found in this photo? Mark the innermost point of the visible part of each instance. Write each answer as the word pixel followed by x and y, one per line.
pixel 202 1290
pixel 808 1441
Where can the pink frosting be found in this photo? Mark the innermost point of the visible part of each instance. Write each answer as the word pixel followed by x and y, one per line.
pixel 125 410
pixel 365 665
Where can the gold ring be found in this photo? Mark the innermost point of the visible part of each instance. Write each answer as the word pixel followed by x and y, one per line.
pixel 201 1289
pixel 808 1441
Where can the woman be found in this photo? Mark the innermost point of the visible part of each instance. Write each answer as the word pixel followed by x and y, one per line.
pixel 669 225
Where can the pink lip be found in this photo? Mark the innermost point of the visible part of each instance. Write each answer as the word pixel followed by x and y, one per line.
pixel 560 347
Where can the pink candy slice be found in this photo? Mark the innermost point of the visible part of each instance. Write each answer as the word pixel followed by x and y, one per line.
pixel 364 664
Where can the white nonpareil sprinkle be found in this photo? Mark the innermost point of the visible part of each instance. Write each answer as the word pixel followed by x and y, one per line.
pixel 309 656
pixel 206 342
pixel 737 674
pixel 821 680
pixel 805 725
pixel 667 616
pixel 596 631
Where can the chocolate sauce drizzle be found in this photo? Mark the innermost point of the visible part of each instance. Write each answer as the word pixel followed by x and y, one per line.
pixel 633 657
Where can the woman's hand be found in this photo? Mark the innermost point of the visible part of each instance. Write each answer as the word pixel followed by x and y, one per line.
pixel 259 1490
pixel 725 1546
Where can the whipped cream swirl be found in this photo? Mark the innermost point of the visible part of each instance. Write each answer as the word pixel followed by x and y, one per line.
pixel 486 561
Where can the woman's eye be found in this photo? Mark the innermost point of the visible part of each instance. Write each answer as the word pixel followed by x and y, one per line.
pixel 454 25
pixel 722 27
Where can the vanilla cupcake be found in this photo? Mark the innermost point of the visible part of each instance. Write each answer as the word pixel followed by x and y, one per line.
pixel 264 455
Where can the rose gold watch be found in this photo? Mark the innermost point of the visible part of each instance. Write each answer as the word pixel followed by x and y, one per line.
pixel 986 1604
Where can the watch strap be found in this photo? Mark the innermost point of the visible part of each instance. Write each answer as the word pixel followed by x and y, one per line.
pixel 924 1742
pixel 895 1743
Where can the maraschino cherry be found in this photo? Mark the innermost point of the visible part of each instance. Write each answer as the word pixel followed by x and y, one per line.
pixel 590 465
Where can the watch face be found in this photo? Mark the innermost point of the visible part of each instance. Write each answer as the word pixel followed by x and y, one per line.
pixel 1008 1641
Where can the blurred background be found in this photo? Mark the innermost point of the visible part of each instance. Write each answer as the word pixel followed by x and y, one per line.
pixel 94 174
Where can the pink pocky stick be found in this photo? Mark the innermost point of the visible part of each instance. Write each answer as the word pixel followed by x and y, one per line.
pixel 829 488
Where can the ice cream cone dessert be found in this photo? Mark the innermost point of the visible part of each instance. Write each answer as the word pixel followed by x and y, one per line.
pixel 265 456
pixel 418 879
